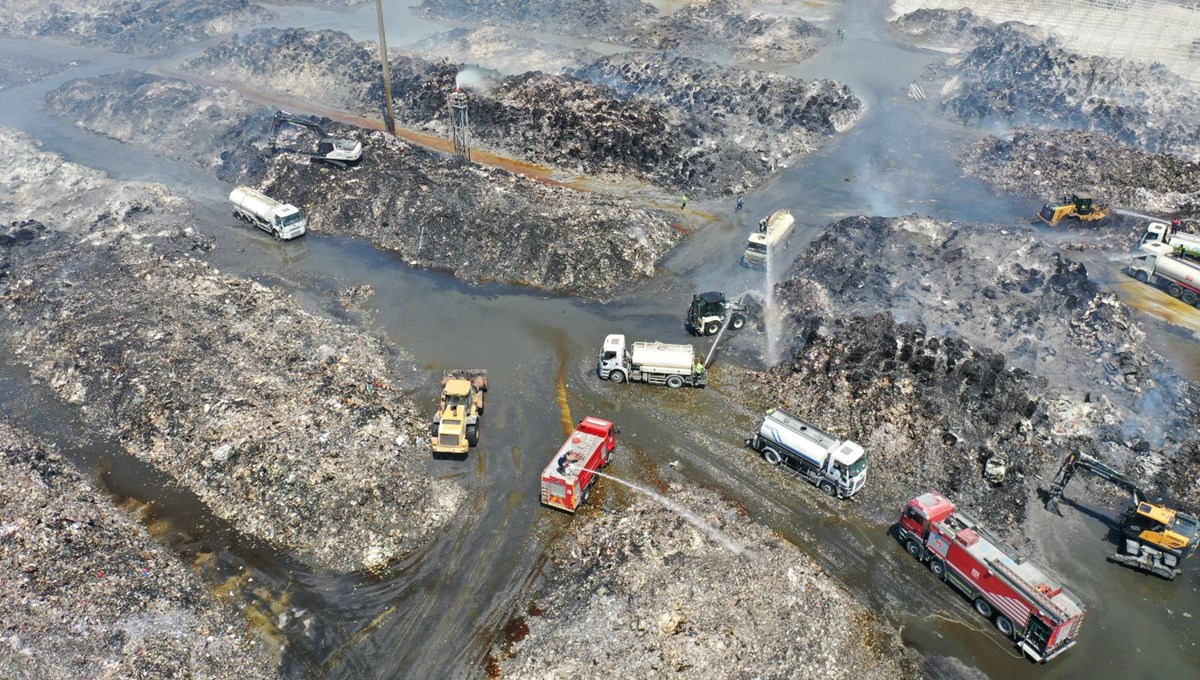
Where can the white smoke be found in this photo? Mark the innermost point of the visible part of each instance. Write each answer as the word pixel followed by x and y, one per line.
pixel 474 79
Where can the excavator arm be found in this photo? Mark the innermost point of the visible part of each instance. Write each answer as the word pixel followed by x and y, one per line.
pixel 1077 460
pixel 283 117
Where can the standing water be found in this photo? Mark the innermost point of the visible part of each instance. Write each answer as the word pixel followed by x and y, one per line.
pixel 709 530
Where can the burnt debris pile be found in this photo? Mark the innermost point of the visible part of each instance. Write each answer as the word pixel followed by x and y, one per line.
pixel 287 424
pixel 646 117
pixel 480 223
pixel 1015 77
pixel 1047 164
pixel 213 128
pixel 959 28
pixel 88 592
pixel 722 27
pixel 647 576
pixel 135 27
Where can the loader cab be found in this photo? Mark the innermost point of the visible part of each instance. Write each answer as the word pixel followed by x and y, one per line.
pixel 1162 528
pixel 1082 203
pixel 706 308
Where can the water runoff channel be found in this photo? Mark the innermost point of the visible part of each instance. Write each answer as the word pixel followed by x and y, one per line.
pixel 435 613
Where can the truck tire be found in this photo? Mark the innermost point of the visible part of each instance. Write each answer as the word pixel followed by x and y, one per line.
pixel 617 376
pixel 472 435
pixel 1175 290
pixel 938 568
pixel 984 607
pixel 913 548
pixel 674 382
pixel 737 322
pixel 771 456
pixel 711 328
pixel 1188 297
pixel 828 488
pixel 1142 276
pixel 1005 626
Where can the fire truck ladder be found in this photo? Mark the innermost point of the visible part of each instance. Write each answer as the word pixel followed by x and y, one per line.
pixel 1078 460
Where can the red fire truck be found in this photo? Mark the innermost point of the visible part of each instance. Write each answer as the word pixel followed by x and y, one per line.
pixel 1027 605
pixel 569 477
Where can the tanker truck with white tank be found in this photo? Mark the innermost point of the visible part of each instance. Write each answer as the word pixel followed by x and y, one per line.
pixel 772 231
pixel 657 363
pixel 282 220
pixel 838 467
pixel 1183 241
pixel 1159 265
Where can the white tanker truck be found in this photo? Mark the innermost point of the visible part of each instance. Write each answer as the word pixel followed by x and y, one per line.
pixel 1180 240
pixel 282 220
pixel 657 363
pixel 1159 265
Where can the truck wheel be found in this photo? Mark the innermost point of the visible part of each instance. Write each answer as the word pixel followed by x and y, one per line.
pixel 828 488
pixel 913 548
pixel 617 376
pixel 1142 276
pixel 1175 290
pixel 711 328
pixel 771 456
pixel 938 568
pixel 738 322
pixel 674 382
pixel 472 435
pixel 1004 626
pixel 984 607
pixel 1188 297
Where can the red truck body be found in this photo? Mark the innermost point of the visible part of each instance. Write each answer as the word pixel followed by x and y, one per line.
pixel 1027 605
pixel 569 476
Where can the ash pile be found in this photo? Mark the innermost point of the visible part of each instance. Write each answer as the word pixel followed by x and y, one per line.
pixel 288 425
pixel 959 28
pixel 213 128
pixel 671 601
pixel 130 27
pixel 743 123
pixel 480 223
pixel 1052 163
pixel 983 374
pixel 88 593
pixel 630 122
pixel 726 27
pixel 1015 77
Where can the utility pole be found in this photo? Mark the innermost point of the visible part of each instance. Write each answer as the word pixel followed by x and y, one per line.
pixel 389 121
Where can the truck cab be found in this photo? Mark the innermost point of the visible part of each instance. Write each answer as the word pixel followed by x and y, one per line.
pixel 612 356
pixel 289 222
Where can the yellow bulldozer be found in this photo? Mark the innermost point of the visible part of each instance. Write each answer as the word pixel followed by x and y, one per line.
pixel 1079 207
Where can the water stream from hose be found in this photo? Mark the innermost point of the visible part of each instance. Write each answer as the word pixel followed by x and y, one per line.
pixel 695 520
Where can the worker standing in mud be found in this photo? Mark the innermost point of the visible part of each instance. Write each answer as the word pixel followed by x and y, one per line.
pixel 683 202
pixel 740 203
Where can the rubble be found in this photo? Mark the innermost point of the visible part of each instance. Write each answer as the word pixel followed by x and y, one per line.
pixel 17 72
pixel 1014 77
pixel 669 601
pixel 943 28
pixel 480 223
pixel 88 593
pixel 745 119
pixel 1047 164
pixel 288 425
pixel 216 129
pixel 605 20
pixel 742 33
pixel 968 362
pixel 139 27
pixel 507 52
pixel 727 28
pixel 648 128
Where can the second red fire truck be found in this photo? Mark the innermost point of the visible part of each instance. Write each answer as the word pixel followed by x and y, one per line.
pixel 1026 604
pixel 568 479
